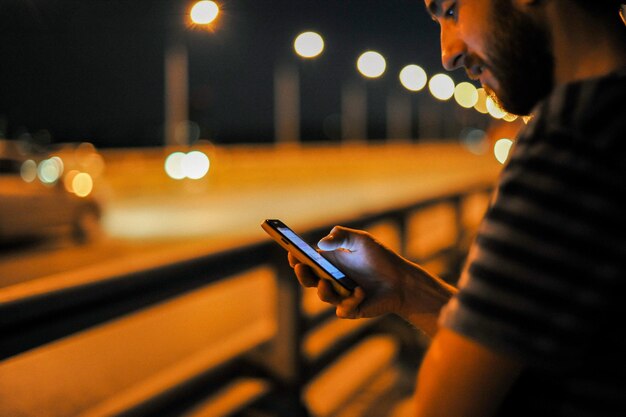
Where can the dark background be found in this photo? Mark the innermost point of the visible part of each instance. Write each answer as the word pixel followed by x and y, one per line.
pixel 76 70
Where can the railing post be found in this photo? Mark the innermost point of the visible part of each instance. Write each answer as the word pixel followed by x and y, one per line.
pixel 285 357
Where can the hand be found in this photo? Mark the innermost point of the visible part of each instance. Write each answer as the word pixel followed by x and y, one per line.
pixel 380 273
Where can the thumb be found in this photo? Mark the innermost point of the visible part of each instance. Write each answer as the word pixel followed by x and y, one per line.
pixel 338 238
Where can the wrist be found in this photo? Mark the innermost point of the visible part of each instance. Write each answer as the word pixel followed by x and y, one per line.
pixel 423 296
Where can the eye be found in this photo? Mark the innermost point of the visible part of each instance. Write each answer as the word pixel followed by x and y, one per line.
pixel 450 11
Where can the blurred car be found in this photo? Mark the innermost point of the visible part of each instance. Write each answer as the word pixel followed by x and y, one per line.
pixel 34 203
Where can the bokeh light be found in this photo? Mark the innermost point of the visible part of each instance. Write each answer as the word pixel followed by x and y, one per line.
pixel 93 164
pixel 441 87
pixel 481 103
pixel 204 12
pixel 494 109
pixel 50 170
pixel 193 165
pixel 196 165
pixel 68 180
pixel 475 140
pixel 174 165
pixel 501 149
pixel 28 170
pixel 371 64
pixel 84 149
pixel 309 44
pixel 82 184
pixel 413 77
pixel 510 117
pixel 466 95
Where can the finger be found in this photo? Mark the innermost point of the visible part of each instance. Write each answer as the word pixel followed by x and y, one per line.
pixel 293 261
pixel 339 237
pixel 349 308
pixel 326 293
pixel 305 275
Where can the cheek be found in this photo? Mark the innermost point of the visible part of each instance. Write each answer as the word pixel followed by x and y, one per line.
pixel 473 40
pixel 472 28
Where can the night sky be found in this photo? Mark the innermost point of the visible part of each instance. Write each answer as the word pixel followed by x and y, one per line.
pixel 74 70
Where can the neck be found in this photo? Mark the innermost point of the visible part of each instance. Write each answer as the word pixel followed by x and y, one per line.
pixel 585 46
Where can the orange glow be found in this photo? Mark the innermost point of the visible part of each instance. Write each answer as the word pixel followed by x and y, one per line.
pixel 481 104
pixel 84 150
pixel 508 117
pixel 93 164
pixel 69 178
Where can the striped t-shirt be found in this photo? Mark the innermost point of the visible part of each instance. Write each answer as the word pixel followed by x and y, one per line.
pixel 545 281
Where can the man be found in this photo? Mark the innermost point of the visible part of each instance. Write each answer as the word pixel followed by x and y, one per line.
pixel 536 327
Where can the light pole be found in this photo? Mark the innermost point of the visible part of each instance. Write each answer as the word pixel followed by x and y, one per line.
pixel 370 65
pixel 202 13
pixel 398 116
pixel 307 45
pixel 413 78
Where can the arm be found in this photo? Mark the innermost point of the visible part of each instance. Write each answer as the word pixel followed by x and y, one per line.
pixel 388 283
pixel 459 377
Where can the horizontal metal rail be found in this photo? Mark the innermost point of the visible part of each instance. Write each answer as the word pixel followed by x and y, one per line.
pixel 35 321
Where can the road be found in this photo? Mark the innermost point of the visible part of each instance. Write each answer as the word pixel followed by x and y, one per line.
pixel 150 216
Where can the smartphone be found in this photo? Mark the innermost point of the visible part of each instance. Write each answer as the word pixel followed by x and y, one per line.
pixel 306 254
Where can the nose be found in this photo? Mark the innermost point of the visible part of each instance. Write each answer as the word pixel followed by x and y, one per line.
pixel 453 49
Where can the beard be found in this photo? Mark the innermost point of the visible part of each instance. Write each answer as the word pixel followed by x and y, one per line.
pixel 520 58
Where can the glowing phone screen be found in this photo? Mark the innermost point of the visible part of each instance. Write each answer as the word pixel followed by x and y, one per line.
pixel 312 253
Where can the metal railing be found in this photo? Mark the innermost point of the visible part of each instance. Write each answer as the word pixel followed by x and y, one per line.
pixel 272 368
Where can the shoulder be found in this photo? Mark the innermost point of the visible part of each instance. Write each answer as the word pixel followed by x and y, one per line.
pixel 587 116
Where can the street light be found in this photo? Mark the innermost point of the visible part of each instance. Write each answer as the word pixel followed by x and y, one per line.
pixel 441 87
pixel 413 77
pixel 306 45
pixel 177 73
pixel 371 64
pixel 204 12
pixel 399 116
pixel 466 95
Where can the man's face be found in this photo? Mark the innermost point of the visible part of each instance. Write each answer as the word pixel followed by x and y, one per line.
pixel 499 45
